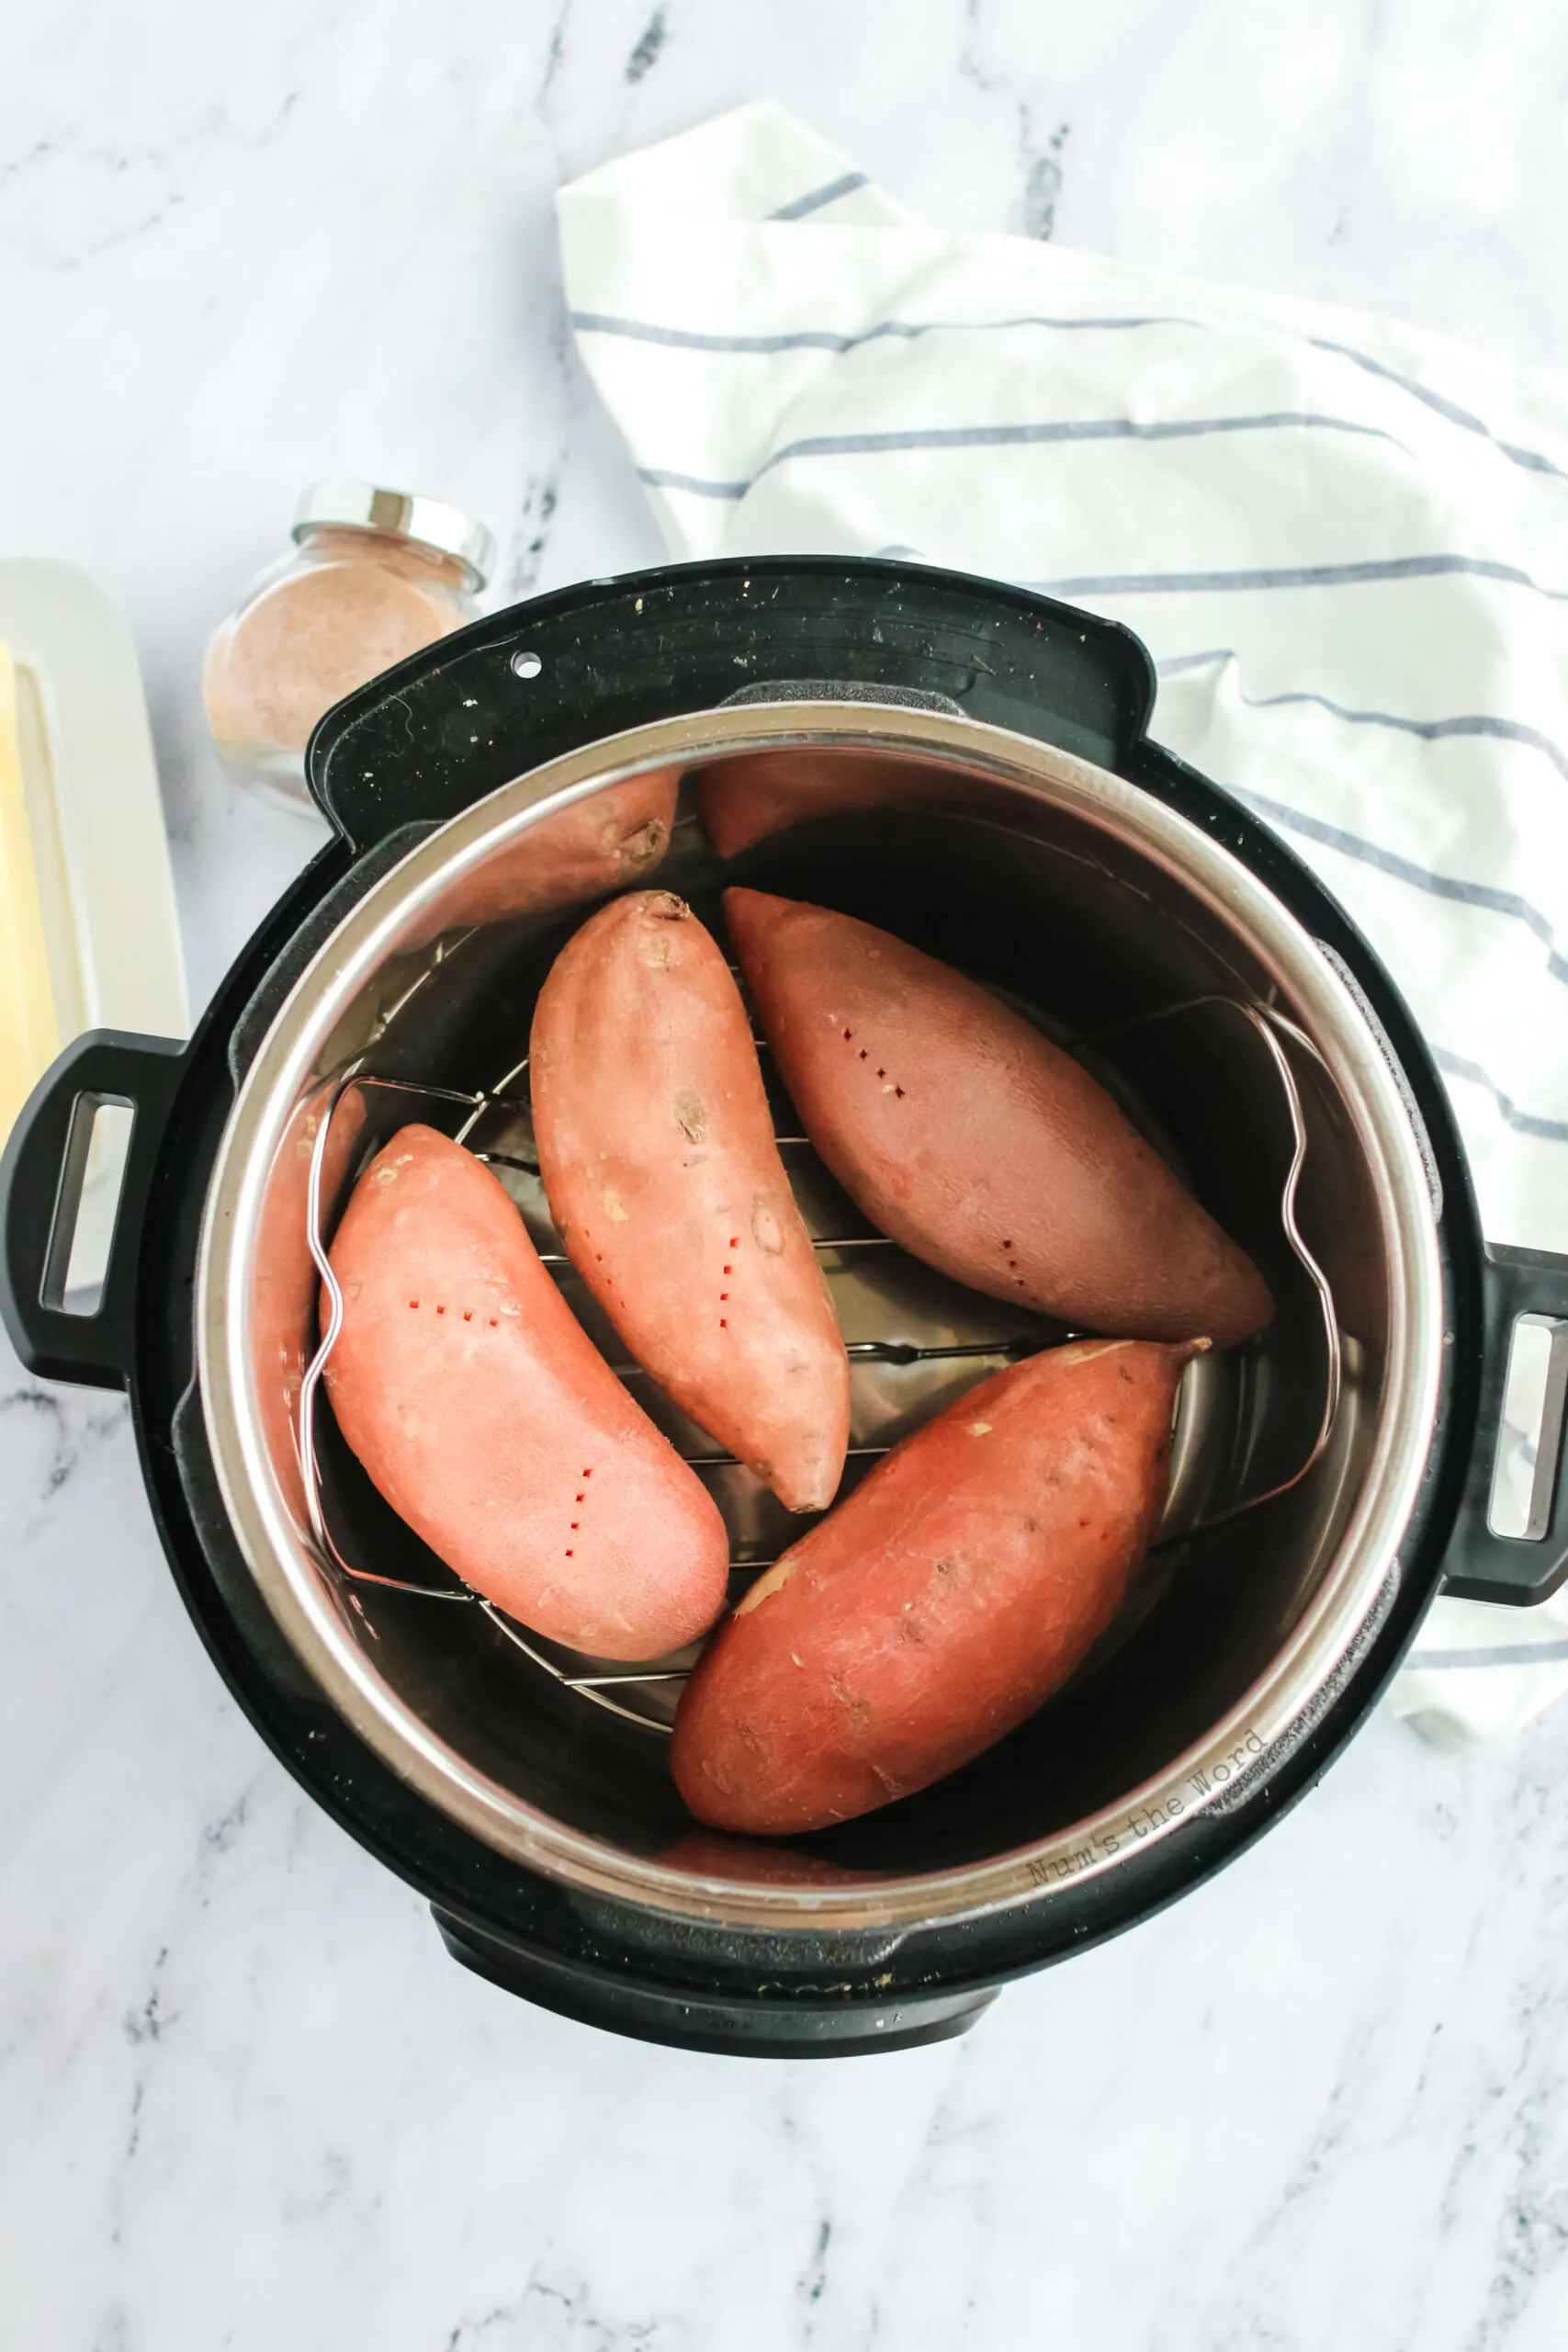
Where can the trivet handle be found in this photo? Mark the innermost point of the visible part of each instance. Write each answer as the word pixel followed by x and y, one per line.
pixel 1480 1564
pixel 41 1177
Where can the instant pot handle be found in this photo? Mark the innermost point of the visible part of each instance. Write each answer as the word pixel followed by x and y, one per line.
pixel 476 709
pixel 1480 1564
pixel 42 1178
pixel 694 2017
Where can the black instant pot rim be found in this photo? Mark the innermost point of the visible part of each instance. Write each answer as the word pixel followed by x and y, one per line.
pixel 721 1987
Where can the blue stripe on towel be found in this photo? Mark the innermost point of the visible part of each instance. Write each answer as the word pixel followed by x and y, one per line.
pixel 1505 1654
pixel 1528 1123
pixel 815 199
pixel 1291 575
pixel 1402 869
pixel 1430 731
pixel 831 339
pixel 1009 436
pixel 1531 459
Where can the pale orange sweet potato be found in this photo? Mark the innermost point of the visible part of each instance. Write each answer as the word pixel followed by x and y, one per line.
pixel 977 1144
pixel 941 1603
pixel 491 1424
pixel 658 1161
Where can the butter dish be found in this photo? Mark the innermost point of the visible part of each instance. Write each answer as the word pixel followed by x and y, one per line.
pixel 88 933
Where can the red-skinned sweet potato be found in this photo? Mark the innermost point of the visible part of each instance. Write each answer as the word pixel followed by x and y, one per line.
pixel 941 1603
pixel 708 1853
pixel 584 850
pixel 975 1142
pixel 491 1424
pixel 659 1160
pixel 746 799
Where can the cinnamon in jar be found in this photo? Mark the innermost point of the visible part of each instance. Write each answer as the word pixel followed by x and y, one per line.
pixel 373 576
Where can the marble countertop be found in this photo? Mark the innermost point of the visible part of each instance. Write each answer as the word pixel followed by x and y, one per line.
pixel 248 2102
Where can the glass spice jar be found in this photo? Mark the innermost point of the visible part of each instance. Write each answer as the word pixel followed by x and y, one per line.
pixel 374 575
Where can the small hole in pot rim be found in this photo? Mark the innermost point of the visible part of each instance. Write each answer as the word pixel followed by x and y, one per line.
pixel 527 664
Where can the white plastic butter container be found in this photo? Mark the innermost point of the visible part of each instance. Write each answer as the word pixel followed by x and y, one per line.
pixel 90 937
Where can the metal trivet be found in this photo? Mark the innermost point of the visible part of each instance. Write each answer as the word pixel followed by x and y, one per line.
pixel 599 1687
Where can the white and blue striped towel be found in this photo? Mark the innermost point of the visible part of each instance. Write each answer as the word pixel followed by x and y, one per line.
pixel 1344 540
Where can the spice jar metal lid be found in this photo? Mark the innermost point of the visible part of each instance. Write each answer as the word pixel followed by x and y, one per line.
pixel 398 515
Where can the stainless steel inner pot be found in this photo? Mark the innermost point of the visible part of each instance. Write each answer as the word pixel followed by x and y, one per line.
pixel 1091 906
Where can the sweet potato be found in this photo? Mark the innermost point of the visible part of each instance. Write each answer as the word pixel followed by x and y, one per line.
pixel 757 793
pixel 704 1853
pixel 659 1160
pixel 977 1144
pixel 941 1603
pixel 491 1424
pixel 588 847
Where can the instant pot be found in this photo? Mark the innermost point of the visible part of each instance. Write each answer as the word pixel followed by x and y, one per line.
pixel 968 766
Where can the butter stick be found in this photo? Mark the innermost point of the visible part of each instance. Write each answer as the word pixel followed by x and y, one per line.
pixel 29 1027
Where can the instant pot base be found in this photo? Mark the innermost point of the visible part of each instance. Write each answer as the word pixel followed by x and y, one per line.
pixel 392 764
